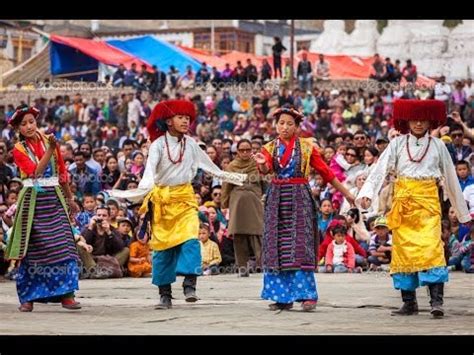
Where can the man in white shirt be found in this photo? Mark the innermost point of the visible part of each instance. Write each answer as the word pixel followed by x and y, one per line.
pixel 134 108
pixel 469 88
pixel 442 90
pixel 420 161
pixel 169 200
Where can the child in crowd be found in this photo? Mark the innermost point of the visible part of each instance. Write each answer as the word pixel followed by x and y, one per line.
pixel 211 256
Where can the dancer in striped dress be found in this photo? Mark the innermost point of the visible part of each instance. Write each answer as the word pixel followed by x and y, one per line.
pixel 41 235
pixel 290 236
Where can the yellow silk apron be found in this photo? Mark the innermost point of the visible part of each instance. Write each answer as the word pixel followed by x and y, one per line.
pixel 175 215
pixel 415 221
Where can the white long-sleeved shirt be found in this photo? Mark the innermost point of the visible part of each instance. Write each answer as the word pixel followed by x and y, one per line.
pixel 436 164
pixel 159 170
pixel 469 197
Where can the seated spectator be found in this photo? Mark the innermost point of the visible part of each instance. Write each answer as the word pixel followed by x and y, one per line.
pixel 380 247
pixel 131 76
pixel 125 227
pixel 340 255
pixel 409 72
pixel 139 263
pixel 89 204
pixel 211 256
pixel 378 69
pixel 324 216
pixel 266 71
pixel 458 254
pixel 119 76
pixel 339 220
pixel 109 254
pixel 463 173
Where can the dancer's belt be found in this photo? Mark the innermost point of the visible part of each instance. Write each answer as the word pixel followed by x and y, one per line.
pixel 51 181
pixel 290 181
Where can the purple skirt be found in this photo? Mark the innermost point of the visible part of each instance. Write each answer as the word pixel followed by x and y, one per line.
pixel 290 230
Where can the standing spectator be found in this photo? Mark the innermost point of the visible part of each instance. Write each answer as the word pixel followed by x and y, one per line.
pixel 245 208
pixel 277 50
pixel 322 69
pixel 304 73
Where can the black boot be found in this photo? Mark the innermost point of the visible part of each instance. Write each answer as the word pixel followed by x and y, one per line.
pixel 436 302
pixel 165 297
pixel 410 306
pixel 189 288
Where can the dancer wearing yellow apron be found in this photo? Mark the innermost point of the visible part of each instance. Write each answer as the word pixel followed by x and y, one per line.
pixel 421 162
pixel 169 200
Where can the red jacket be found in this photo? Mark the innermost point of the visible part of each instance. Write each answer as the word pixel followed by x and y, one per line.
pixel 328 239
pixel 348 256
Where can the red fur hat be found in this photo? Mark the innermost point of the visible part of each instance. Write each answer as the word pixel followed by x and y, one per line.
pixel 410 110
pixel 165 110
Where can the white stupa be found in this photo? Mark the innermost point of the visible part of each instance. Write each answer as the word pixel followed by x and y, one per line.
pixel 394 42
pixel 332 38
pixel 362 40
pixel 459 59
pixel 429 43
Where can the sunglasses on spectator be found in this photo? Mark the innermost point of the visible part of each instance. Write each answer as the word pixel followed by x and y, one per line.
pixel 358 138
pixel 245 150
pixel 216 194
pixel 455 135
pixel 351 155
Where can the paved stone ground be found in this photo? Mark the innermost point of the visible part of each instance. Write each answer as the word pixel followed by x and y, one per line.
pixel 349 304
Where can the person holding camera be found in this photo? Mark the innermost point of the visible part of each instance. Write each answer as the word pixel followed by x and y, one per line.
pixel 420 162
pixel 104 240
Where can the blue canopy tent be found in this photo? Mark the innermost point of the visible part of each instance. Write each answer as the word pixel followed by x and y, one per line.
pixel 156 52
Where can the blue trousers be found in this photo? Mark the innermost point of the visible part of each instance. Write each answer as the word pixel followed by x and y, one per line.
pixel 411 281
pixel 183 259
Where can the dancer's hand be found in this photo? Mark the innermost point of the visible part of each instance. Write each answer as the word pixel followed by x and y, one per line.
pixel 365 203
pixel 52 141
pixel 351 199
pixel 259 158
pixel 73 207
pixel 456 117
